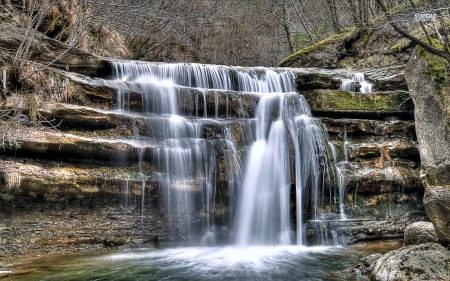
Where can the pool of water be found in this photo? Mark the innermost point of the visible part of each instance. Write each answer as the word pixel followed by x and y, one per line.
pixel 203 263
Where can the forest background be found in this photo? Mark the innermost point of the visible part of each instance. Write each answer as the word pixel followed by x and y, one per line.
pixel 228 32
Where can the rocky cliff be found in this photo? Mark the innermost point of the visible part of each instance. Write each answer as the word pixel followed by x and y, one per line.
pixel 80 186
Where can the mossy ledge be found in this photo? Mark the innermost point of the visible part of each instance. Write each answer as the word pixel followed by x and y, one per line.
pixel 329 102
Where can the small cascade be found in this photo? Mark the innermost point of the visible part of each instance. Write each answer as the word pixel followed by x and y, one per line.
pixel 198 165
pixel 357 78
pixel 339 179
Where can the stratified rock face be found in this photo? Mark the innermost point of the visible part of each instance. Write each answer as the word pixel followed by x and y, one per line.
pixel 419 233
pixel 430 97
pixel 429 261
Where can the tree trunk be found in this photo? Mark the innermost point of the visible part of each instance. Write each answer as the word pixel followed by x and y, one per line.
pixel 334 16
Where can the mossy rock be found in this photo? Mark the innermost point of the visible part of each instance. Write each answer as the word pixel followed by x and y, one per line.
pixel 324 54
pixel 345 102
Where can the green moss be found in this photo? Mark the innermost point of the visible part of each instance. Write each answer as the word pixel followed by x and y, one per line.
pixel 401 45
pixel 366 36
pixel 327 41
pixel 437 66
pixel 335 100
pixel 413 271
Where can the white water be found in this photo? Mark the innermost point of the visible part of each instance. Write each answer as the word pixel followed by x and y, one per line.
pixel 261 194
pixel 350 84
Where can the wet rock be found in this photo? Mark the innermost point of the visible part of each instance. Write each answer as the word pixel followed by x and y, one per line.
pixel 351 231
pixel 364 265
pixel 429 261
pixel 312 81
pixel 55 145
pixel 419 233
pixel 388 78
pixel 362 127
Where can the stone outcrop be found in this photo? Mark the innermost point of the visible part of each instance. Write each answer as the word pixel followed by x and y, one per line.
pixel 429 261
pixel 355 48
pixel 430 92
pixel 419 233
pixel 325 54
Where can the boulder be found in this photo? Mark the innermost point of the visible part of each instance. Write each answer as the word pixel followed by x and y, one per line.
pixel 429 261
pixel 430 108
pixel 430 91
pixel 419 233
pixel 437 204
pixel 365 265
pixel 324 54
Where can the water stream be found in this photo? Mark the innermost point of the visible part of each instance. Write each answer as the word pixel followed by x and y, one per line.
pixel 279 126
pixel 359 80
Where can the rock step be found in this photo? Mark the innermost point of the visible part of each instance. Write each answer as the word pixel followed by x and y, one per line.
pixel 56 181
pixel 102 94
pixel 67 147
pixel 112 94
pixel 94 152
pixel 377 180
pixel 366 128
pixel 333 103
pixel 388 150
pixel 383 78
pixel 379 151
pixel 351 231
pixel 79 119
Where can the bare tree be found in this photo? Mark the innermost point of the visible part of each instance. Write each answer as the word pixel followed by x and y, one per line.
pixel 438 8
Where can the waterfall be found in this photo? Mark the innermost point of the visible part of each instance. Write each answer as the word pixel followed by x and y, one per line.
pixel 190 154
pixel 357 78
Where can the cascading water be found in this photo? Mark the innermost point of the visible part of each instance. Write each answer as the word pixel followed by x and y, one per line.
pixel 350 84
pixel 260 199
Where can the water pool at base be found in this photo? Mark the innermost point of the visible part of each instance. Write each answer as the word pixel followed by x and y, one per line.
pixel 204 263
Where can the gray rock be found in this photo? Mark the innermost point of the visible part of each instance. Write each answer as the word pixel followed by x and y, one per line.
pixel 437 204
pixel 419 233
pixel 434 146
pixel 429 261
pixel 433 136
pixel 364 265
